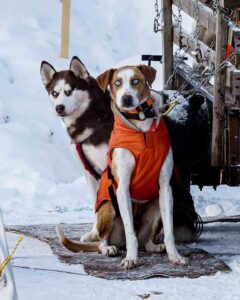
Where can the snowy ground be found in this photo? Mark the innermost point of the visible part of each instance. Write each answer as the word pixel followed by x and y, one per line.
pixel 39 275
pixel 40 179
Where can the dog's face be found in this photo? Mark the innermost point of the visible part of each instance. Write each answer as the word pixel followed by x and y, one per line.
pixel 67 89
pixel 129 85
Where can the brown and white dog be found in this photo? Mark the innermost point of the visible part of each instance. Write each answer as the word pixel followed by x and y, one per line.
pixel 133 83
pixel 129 87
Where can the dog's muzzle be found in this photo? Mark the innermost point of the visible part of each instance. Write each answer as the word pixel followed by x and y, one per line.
pixel 127 101
pixel 60 109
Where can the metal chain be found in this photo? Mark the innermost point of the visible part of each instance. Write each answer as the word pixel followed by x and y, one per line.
pixel 180 52
pixel 157 26
pixel 215 7
pixel 204 80
pixel 181 37
pixel 197 17
pixel 226 14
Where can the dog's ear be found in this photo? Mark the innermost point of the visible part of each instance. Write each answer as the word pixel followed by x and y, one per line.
pixel 78 68
pixel 104 79
pixel 148 72
pixel 47 72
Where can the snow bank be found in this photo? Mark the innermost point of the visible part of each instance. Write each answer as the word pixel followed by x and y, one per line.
pixel 40 180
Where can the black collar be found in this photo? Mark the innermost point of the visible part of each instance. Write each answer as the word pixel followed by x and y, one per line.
pixel 144 111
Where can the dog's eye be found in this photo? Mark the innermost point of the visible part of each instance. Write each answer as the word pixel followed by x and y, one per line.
pixel 55 94
pixel 68 93
pixel 135 81
pixel 117 82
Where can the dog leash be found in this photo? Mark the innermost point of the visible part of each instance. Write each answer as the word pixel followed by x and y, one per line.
pixel 9 257
pixel 167 108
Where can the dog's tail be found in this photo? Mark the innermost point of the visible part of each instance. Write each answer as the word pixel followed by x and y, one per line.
pixel 74 246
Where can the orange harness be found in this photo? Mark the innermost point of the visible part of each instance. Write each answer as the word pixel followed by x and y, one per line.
pixel 149 149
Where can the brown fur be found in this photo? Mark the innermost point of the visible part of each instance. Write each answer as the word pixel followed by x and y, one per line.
pixel 145 74
pixel 104 79
pixel 76 247
pixel 105 219
pixel 142 88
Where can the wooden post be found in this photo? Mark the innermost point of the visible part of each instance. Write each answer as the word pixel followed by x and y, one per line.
pixel 66 6
pixel 229 3
pixel 207 18
pixel 167 42
pixel 219 94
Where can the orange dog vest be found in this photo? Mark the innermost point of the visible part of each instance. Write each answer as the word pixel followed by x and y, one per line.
pixel 149 149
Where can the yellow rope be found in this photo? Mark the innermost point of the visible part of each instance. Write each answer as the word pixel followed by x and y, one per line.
pixel 8 258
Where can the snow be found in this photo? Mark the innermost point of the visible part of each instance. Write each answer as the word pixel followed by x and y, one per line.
pixel 41 181
pixel 39 177
pixel 39 275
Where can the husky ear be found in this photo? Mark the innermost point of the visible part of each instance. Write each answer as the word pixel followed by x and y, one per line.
pixel 104 79
pixel 78 68
pixel 47 72
pixel 148 72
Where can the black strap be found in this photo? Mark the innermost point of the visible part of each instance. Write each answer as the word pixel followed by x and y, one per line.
pixel 145 109
pixel 112 193
pixel 88 166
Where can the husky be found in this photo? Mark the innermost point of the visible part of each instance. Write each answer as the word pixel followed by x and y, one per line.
pixel 86 113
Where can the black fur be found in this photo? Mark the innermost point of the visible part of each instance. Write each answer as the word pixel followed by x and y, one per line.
pixel 98 116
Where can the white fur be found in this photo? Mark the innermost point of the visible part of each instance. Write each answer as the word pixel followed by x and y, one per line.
pixel 75 104
pixel 93 185
pixel 87 132
pixel 126 89
pixel 97 155
pixel 145 125
pixel 98 158
pixel 124 163
pixel 47 73
pixel 166 209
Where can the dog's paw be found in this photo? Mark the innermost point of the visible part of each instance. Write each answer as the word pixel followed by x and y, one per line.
pixel 109 250
pixel 91 236
pixel 160 248
pixel 128 263
pixel 177 259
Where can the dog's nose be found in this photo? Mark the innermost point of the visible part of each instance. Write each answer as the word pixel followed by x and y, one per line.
pixel 60 109
pixel 127 100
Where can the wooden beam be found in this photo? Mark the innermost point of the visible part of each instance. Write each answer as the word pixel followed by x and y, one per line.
pixel 167 47
pixel 207 18
pixel 66 6
pixel 230 3
pixel 204 48
pixel 184 71
pixel 219 94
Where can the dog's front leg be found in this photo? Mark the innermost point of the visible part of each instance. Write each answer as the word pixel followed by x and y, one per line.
pixel 93 184
pixel 166 209
pixel 123 165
